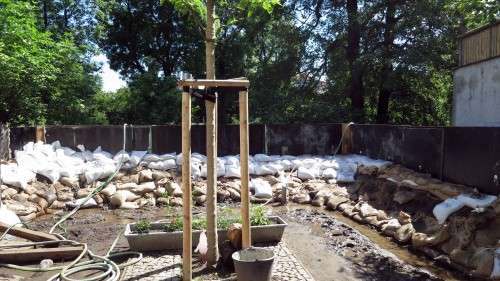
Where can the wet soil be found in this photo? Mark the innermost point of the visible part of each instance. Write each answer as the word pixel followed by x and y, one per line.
pixel 331 247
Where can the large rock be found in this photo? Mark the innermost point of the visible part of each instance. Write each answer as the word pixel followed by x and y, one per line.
pixel 145 175
pixel 21 208
pixel 63 193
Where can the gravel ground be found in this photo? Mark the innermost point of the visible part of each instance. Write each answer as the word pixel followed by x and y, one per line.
pixel 167 266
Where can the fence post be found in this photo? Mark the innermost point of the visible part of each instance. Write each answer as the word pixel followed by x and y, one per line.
pixel 4 142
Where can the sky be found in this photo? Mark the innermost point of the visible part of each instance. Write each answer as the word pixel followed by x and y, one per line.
pixel 111 80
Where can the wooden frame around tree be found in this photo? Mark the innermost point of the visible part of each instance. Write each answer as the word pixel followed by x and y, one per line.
pixel 188 87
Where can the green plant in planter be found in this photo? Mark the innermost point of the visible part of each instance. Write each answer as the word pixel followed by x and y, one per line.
pixel 258 216
pixel 143 226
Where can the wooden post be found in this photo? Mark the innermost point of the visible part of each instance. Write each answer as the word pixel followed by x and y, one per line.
pixel 245 200
pixel 187 246
pixel 211 131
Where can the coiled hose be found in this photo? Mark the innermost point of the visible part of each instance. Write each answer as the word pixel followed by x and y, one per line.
pixel 103 267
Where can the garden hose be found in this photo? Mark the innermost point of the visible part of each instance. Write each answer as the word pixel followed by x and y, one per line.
pixel 110 271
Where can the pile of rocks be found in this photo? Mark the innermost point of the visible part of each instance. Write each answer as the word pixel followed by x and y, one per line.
pixel 400 202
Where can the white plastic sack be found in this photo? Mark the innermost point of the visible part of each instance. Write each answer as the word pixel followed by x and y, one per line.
pixel 261 158
pixel 233 171
pixel 476 201
pixel 91 203
pixel 12 174
pixel 163 165
pixel 7 216
pixel 304 173
pixel 263 169
pixel 442 210
pixel 121 156
pixel 262 188
pixel 329 173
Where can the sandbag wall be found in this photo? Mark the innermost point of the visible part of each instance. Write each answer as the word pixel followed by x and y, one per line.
pixel 464 155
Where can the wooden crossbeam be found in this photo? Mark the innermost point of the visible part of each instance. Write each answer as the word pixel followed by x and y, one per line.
pixel 236 83
pixel 35 236
pixel 17 256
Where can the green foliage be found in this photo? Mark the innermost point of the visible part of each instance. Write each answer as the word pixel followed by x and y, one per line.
pixel 226 217
pixel 44 79
pixel 143 226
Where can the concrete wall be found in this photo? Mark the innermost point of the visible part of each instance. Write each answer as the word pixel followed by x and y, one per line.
pixel 476 97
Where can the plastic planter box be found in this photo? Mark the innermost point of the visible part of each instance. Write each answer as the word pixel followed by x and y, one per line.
pixel 157 239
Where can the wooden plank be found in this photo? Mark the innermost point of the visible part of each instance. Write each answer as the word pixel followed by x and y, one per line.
pixel 214 83
pixel 245 200
pixel 36 236
pixel 211 133
pixel 17 256
pixel 187 245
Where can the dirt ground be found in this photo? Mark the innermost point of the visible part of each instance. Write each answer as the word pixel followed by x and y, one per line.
pixel 331 247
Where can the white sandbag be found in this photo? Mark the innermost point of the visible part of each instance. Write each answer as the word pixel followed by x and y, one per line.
pixel 233 171
pixel 261 158
pixel 121 157
pixel 163 165
pixel 136 157
pixel 286 164
pixel 329 173
pixel 442 210
pixel 304 173
pixel 198 156
pixel 288 157
pixel 12 174
pixel 274 158
pixel 345 177
pixel 231 161
pixel 91 203
pixel 329 164
pixel 263 169
pixel 149 158
pixel 262 188
pixel 85 154
pixel 50 171
pixel 7 216
pixel 476 200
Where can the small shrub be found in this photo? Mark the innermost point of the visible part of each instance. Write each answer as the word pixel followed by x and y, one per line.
pixel 143 226
pixel 258 216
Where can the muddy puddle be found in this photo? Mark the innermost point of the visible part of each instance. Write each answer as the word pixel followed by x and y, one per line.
pixel 331 246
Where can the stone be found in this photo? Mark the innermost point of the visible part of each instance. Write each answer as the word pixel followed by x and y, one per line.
pixel 200 200
pixel 28 217
pixel 404 233
pixel 20 197
pixel 197 191
pixel 173 189
pixel 234 194
pixel 404 218
pixel 223 195
pixel 176 202
pixel 109 190
pixel 302 198
pixel 21 208
pixel 366 210
pixel 163 201
pixel 158 175
pixel 84 192
pixel 63 193
pixel 57 205
pixel 145 175
pixel 72 183
pixel 98 199
pixel 334 201
pixel 482 262
pixel 8 193
pixel 404 196
pixel 419 239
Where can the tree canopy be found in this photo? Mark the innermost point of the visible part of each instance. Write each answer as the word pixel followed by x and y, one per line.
pixel 383 61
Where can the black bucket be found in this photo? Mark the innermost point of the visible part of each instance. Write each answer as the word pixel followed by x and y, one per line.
pixel 253 264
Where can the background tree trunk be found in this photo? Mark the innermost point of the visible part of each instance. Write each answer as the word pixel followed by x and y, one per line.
pixel 385 88
pixel 356 91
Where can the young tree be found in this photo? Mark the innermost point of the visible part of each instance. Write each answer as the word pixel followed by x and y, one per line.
pixel 205 13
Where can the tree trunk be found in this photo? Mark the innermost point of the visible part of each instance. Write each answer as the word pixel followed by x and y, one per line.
pixel 355 69
pixel 385 87
pixel 45 15
pixel 211 136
